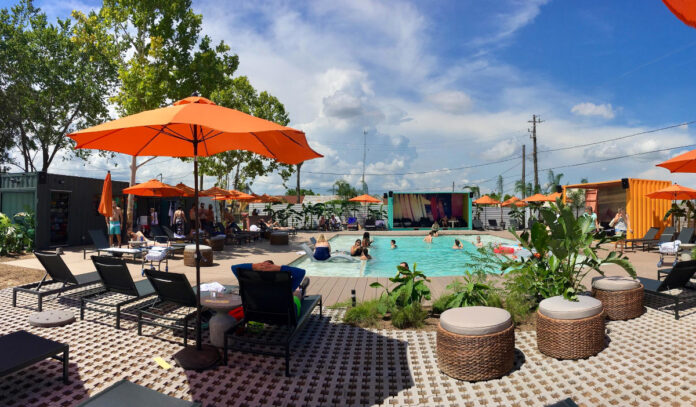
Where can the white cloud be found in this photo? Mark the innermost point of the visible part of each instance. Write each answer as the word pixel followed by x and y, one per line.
pixel 451 101
pixel 590 109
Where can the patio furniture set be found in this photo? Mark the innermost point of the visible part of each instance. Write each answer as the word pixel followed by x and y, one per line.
pixel 165 300
pixel 477 343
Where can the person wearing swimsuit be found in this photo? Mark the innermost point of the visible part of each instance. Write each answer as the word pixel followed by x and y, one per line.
pixel 322 249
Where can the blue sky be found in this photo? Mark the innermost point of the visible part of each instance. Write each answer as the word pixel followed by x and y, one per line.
pixel 443 85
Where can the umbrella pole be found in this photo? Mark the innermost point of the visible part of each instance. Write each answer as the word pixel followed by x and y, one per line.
pixel 201 357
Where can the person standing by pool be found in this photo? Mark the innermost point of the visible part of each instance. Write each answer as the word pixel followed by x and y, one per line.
pixel 393 244
pixel 366 242
pixel 457 245
pixel 179 223
pixel 114 224
pixel 322 248
pixel 429 237
pixel 621 224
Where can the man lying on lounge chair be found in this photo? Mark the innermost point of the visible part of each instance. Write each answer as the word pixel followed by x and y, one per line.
pixel 299 283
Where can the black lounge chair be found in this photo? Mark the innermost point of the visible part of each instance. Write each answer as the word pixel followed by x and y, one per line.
pixel 170 234
pixel 477 224
pixel 125 393
pixel 174 293
pixel 101 244
pixel 493 225
pixel 267 298
pixel 676 278
pixel 667 236
pixel 370 224
pixel 117 281
pixel 22 349
pixel 648 237
pixel 62 279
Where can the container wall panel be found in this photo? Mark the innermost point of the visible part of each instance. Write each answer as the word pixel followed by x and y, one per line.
pixel 645 212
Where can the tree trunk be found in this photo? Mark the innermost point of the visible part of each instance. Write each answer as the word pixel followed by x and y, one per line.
pixel 131 198
pixel 299 166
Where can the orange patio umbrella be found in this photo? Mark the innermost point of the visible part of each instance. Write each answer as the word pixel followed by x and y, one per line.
pixel 685 10
pixel 553 197
pixel 196 127
pixel 674 193
pixel 536 198
pixel 188 191
pixel 105 204
pixel 366 199
pixel 154 188
pixel 234 195
pixel 682 163
pixel 514 201
pixel 214 191
pixel 486 200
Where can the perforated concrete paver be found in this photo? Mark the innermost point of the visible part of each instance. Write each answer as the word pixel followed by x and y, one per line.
pixel 649 361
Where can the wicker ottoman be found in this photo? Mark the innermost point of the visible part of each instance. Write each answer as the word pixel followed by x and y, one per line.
pixel 190 255
pixel 622 297
pixel 569 329
pixel 217 243
pixel 475 343
pixel 280 238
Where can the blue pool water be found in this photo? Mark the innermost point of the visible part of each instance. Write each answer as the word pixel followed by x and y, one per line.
pixel 434 259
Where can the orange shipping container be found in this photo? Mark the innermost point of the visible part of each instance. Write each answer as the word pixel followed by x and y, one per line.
pixel 630 193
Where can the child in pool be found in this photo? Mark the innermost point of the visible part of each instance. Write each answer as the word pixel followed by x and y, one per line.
pixel 457 245
pixel 393 244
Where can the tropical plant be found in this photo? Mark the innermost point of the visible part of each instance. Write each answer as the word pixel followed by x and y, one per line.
pixel 677 212
pixel 554 181
pixel 377 213
pixel 565 250
pixel 576 200
pixel 410 288
pixel 475 190
pixel 524 189
pixel 473 290
pixel 16 237
pixel 516 215
pixel 344 189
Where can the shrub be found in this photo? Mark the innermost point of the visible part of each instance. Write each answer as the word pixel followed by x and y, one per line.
pixel 472 291
pixel 519 305
pixel 409 316
pixel 365 314
pixel 16 237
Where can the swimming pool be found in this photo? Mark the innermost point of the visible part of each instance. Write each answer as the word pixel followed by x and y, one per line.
pixel 434 259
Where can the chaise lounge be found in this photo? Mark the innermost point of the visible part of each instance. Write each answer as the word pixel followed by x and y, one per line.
pixel 62 279
pixel 675 279
pixel 101 244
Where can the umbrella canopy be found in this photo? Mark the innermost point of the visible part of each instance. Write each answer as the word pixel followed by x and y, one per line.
pixel 268 199
pixel 514 201
pixel 234 195
pixel 365 198
pixel 196 127
pixel 214 191
pixel 556 195
pixel 154 188
pixel 188 191
pixel 538 198
pixel 682 163
pixel 486 200
pixel 105 205
pixel 673 193
pixel 685 10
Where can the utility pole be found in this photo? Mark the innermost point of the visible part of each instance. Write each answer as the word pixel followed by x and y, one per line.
pixel 535 120
pixel 452 186
pixel 364 189
pixel 524 182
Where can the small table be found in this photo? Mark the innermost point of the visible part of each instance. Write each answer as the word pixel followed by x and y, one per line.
pixel 21 349
pixel 222 303
pixel 453 223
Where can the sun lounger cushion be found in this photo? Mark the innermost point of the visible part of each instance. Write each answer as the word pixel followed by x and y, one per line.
pixel 560 308
pixel 121 250
pixel 670 247
pixel 475 320
pixel 615 283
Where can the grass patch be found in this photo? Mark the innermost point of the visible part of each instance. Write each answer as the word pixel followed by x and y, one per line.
pixel 410 316
pixel 364 314
pixel 343 304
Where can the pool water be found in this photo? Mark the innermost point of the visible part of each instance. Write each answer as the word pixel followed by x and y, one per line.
pixel 434 259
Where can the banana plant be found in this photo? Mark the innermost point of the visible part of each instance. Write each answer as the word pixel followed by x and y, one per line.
pixel 676 212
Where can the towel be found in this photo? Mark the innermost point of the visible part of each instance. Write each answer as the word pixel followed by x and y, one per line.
pixel 214 286
pixel 670 247
pixel 156 253
pixel 301 252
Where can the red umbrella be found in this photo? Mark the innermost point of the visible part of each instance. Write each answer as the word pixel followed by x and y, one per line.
pixel 105 204
pixel 154 188
pixel 685 10
pixel 196 127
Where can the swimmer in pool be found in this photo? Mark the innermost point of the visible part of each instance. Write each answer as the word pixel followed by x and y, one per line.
pixel 393 244
pixel 478 243
pixel 457 245
pixel 404 265
pixel 429 237
pixel 358 250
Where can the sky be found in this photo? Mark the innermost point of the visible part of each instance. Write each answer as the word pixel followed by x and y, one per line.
pixel 445 90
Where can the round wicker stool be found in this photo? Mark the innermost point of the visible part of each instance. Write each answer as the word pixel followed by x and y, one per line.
pixel 190 255
pixel 475 343
pixel 622 297
pixel 217 243
pixel 569 329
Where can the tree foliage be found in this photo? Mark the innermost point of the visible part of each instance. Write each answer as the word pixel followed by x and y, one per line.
pixel 52 82
pixel 345 190
pixel 293 191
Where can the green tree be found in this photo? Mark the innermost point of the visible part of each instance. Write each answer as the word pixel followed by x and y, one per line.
pixel 475 189
pixel 499 186
pixel 554 180
pixel 158 63
pixel 52 82
pixel 524 189
pixel 293 191
pixel 344 189
pixel 238 93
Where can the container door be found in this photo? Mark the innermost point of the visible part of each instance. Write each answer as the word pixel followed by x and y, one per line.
pixel 59 210
pixel 14 202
